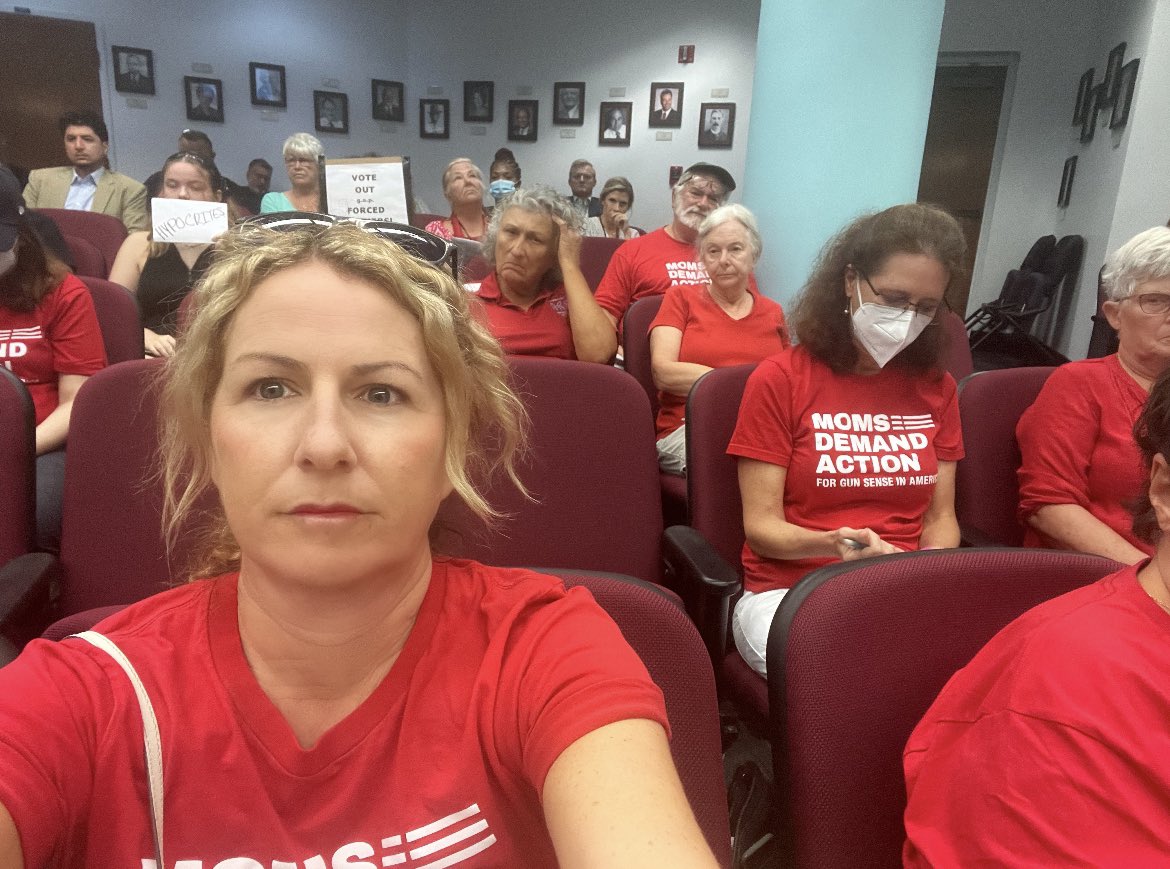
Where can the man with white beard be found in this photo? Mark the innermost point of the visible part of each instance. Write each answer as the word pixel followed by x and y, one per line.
pixel 651 264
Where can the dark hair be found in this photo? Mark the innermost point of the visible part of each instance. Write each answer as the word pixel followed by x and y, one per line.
pixel 260 161
pixel 505 158
pixel 197 136
pixel 85 119
pixel 1152 433
pixel 821 319
pixel 33 276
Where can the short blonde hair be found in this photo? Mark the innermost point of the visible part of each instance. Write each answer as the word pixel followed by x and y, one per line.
pixel 1145 257
pixel 485 420
pixel 302 145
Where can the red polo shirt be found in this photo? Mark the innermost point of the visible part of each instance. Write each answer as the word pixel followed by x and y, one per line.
pixel 540 330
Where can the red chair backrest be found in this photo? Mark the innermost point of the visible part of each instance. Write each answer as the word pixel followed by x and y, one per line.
pixel 422 218
pixel 958 360
pixel 474 269
pixel 87 259
pixel 592 468
pixel 595 256
pixel 712 476
pixel 987 492
pixel 17 467
pixel 106 233
pixel 118 316
pixel 636 344
pixel 857 653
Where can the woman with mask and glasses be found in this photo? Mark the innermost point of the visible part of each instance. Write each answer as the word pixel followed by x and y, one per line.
pixel 301 152
pixel 1081 469
pixel 847 442
pixel 330 689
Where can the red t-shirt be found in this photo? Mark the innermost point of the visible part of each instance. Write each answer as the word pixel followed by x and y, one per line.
pixel 860 451
pixel 1052 747
pixel 503 670
pixel 710 337
pixel 1077 446
pixel 60 336
pixel 541 330
pixel 647 266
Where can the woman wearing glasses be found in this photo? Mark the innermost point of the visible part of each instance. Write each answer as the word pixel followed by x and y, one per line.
pixel 536 301
pixel 161 274
pixel 847 442
pixel 1081 469
pixel 337 692
pixel 300 161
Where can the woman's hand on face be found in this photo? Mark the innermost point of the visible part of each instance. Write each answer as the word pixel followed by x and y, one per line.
pixel 569 246
pixel 159 345
pixel 854 544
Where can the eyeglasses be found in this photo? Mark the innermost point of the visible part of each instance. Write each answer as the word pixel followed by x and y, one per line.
pixel 583 176
pixel 1151 303
pixel 292 161
pixel 900 300
pixel 416 242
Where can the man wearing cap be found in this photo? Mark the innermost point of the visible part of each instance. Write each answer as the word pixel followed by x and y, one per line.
pixel 88 185
pixel 651 264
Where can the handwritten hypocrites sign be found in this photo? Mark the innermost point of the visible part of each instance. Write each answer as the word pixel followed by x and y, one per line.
pixel 373 188
pixel 183 220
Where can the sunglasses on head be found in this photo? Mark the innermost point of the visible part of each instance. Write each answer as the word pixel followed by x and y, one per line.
pixel 425 246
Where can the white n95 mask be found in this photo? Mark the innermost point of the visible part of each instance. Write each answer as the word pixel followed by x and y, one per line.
pixel 883 331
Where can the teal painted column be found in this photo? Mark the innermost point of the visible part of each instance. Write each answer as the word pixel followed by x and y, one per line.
pixel 840 104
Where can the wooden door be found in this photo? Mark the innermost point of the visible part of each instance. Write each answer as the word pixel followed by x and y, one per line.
pixel 960 147
pixel 49 66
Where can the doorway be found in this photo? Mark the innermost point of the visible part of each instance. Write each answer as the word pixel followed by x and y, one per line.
pixel 957 159
pixel 39 87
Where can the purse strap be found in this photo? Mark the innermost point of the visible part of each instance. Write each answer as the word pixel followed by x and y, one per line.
pixel 151 738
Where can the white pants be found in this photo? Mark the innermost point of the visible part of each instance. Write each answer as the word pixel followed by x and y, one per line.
pixel 751 620
pixel 672 452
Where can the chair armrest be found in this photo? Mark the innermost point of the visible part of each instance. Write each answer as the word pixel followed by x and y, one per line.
pixel 706 583
pixel 971 536
pixel 27 583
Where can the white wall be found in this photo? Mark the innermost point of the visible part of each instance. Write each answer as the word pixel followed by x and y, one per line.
pixel 432 45
pixel 1056 41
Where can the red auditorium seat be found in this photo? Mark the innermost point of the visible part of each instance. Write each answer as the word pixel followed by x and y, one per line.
pixel 117 314
pixel 595 257
pixel 106 233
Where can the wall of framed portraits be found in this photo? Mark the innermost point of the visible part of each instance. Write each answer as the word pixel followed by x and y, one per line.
pixel 348 72
pixel 1119 185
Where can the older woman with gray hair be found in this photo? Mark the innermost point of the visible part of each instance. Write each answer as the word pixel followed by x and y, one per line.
pixel 300 161
pixel 699 327
pixel 1081 469
pixel 536 301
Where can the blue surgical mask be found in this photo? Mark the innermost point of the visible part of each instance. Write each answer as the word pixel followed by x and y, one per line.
pixel 502 187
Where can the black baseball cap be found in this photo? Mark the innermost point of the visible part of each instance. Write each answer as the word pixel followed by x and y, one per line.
pixel 717 172
pixel 11 208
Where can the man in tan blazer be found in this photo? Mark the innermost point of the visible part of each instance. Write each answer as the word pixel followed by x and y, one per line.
pixel 88 185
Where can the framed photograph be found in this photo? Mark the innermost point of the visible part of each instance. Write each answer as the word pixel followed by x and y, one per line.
pixel 522 120
pixel 388 101
pixel 204 99
pixel 569 103
pixel 1066 182
pixel 133 70
pixel 1113 75
pixel 330 112
pixel 479 101
pixel 1084 96
pixel 1127 78
pixel 1092 104
pixel 716 125
pixel 614 123
pixel 666 103
pixel 434 119
pixel 266 82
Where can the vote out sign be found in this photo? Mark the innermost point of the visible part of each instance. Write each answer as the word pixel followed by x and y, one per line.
pixel 371 188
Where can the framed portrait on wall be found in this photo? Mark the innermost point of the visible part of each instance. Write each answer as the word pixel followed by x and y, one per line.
pixel 330 112
pixel 522 120
pixel 1127 78
pixel 1066 182
pixel 478 101
pixel 716 125
pixel 266 83
pixel 569 103
pixel 1113 75
pixel 1084 96
pixel 388 100
pixel 133 70
pixel 666 104
pixel 434 119
pixel 614 123
pixel 204 98
pixel 1092 104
